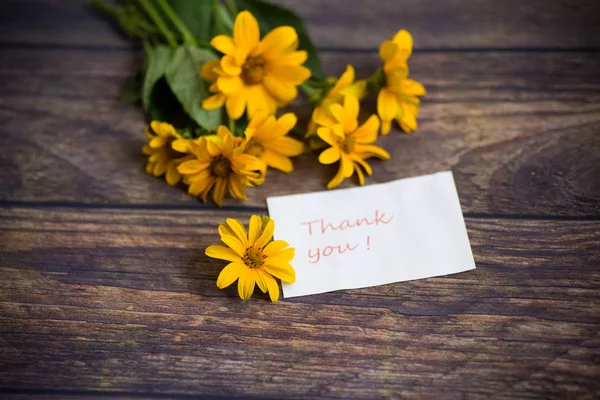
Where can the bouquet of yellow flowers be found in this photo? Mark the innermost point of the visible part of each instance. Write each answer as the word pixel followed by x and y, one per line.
pixel 216 75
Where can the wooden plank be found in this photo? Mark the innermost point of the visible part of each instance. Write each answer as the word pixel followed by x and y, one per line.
pixel 350 25
pixel 520 133
pixel 124 300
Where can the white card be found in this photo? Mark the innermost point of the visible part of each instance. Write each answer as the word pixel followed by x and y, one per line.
pixel 390 232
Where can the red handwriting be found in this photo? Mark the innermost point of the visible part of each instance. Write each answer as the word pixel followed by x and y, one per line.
pixel 346 224
pixel 316 255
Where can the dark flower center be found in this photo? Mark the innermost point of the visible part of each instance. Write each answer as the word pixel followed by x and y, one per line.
pixel 254 257
pixel 253 70
pixel 220 166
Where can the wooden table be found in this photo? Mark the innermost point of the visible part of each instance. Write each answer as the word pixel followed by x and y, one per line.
pixel 105 288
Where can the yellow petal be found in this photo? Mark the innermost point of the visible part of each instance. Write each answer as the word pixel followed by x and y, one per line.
pixel 207 71
pixel 285 146
pixel 282 256
pixel 361 176
pixel 347 166
pixel 351 107
pixel 408 122
pixel 236 188
pixel 230 274
pixel 214 102
pixel 322 116
pixel 172 176
pixel 157 142
pixel 261 281
pixel 330 156
pixel 160 167
pixel 222 253
pixel 272 286
pixel 369 150
pixel 224 44
pixel 235 244
pixel 283 271
pixel 147 150
pixel 276 41
pixel 387 105
pixel 367 132
pixel 357 159
pixel 404 41
pixel 386 126
pixel 293 58
pixel 235 104
pixel 246 283
pixel 280 89
pixel 230 84
pixel 357 89
pixel 259 101
pixel 327 136
pixel 274 247
pixel 219 191
pixel 266 235
pixel 344 116
pixel 412 88
pixel 285 123
pixel 387 50
pixel 277 161
pixel 192 167
pixel 344 81
pixel 254 228
pixel 180 145
pixel 230 66
pixel 245 31
pixel 239 230
pixel 337 179
pixel 289 73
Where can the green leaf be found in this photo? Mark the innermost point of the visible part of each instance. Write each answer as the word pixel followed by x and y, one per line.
pixel 183 76
pixel 157 59
pixel 271 16
pixel 132 93
pixel 195 15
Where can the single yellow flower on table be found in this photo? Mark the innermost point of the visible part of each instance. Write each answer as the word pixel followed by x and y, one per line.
pixel 219 162
pixel 254 74
pixel 253 260
pixel 163 158
pixel 344 86
pixel 267 139
pixel 399 99
pixel 350 144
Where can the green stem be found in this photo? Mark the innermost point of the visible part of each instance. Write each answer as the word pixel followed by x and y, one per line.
pixel 107 8
pixel 217 17
pixel 158 21
pixel 233 10
pixel 168 10
pixel 232 126
pixel 376 81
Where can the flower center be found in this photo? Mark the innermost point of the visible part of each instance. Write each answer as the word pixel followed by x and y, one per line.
pixel 220 166
pixel 253 148
pixel 347 144
pixel 253 70
pixel 254 258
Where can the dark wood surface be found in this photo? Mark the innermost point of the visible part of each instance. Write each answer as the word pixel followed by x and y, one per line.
pixel 104 286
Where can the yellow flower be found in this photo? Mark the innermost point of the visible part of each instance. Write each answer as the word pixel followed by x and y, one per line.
pixel 344 86
pixel 253 259
pixel 399 99
pixel 163 158
pixel 255 74
pixel 350 144
pixel 267 140
pixel 220 163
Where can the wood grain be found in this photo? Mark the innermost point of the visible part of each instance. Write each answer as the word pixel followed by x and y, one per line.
pixel 350 24
pixel 516 144
pixel 124 300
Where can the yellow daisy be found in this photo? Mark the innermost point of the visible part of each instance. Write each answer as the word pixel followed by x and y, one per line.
pixel 399 99
pixel 255 74
pixel 220 163
pixel 344 86
pixel 254 261
pixel 266 139
pixel 163 158
pixel 350 144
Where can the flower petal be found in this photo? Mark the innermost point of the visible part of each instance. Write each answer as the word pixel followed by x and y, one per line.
pixel 172 177
pixel 261 281
pixel 282 90
pixel 337 179
pixel 347 166
pixel 224 44
pixel 219 191
pixel 222 253
pixel 289 73
pixel 283 271
pixel 367 132
pixel 207 71
pixel 272 286
pixel 285 146
pixel 284 255
pixel 245 31
pixel 266 235
pixel 235 244
pixel 230 84
pixel 277 41
pixel 246 284
pixel 192 167
pixel 369 150
pixel 330 155
pixel 254 227
pixel 387 105
pixel 230 274
pixel 274 247
pixel 235 104
pixel 230 66
pixel 277 161
pixel 239 230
